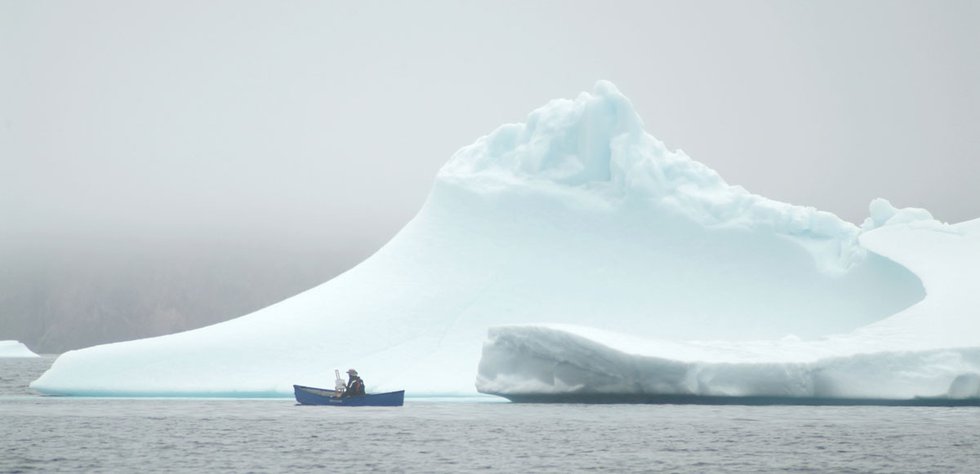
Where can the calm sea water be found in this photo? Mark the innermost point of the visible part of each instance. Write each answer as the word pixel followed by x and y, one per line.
pixel 51 434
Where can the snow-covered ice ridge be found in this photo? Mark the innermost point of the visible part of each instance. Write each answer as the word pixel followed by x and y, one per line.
pixel 15 349
pixel 579 218
pixel 929 350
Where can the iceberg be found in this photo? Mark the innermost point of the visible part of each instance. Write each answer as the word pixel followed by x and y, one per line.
pixel 15 349
pixel 929 351
pixel 577 218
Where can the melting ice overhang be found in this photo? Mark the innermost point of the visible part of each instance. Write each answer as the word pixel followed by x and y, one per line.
pixel 575 217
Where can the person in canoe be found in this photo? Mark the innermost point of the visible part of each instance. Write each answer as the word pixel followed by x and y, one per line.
pixel 355 386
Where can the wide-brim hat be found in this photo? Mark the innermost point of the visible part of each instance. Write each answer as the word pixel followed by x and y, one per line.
pixel 352 371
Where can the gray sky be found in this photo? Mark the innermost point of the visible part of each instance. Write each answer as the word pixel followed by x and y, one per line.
pixel 327 121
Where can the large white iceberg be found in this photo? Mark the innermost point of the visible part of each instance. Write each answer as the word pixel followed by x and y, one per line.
pixel 930 350
pixel 15 349
pixel 576 217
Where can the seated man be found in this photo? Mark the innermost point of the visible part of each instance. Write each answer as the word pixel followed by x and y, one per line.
pixel 355 386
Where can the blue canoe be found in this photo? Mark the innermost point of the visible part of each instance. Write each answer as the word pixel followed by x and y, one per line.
pixel 322 396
